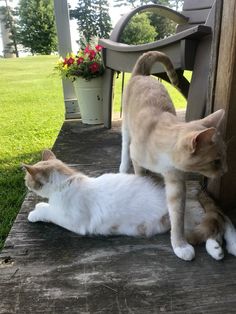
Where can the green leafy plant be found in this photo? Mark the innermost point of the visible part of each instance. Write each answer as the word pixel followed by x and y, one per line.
pixel 87 64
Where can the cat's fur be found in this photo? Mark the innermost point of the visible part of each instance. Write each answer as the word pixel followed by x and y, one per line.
pixel 111 204
pixel 154 139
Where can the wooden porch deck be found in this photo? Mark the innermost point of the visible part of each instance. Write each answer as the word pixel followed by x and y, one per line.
pixel 46 269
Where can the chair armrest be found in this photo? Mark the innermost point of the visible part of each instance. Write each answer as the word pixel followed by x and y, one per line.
pixel 154 8
pixel 195 32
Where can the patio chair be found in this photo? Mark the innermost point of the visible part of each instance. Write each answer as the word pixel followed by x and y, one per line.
pixel 189 49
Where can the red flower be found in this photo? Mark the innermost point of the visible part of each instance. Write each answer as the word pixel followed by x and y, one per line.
pixel 94 67
pixel 98 47
pixel 92 54
pixel 65 61
pixel 70 61
pixel 87 50
pixel 80 60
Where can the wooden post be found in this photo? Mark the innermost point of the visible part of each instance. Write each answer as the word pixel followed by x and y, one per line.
pixel 8 51
pixel 64 46
pixel 224 189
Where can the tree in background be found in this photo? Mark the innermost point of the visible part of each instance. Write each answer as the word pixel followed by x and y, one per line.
pixel 93 19
pixel 103 18
pixel 37 29
pixel 175 4
pixel 163 26
pixel 8 18
pixel 139 30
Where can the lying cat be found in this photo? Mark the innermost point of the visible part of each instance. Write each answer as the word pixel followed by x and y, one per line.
pixel 154 139
pixel 111 204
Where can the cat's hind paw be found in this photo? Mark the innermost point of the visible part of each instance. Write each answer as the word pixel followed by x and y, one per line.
pixel 231 248
pixel 214 249
pixel 41 205
pixel 185 252
pixel 34 216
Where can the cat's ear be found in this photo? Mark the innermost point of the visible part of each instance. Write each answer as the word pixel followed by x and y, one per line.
pixel 30 169
pixel 202 138
pixel 214 120
pixel 48 154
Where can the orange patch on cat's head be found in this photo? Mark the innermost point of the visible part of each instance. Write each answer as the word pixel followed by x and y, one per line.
pixel 201 148
pixel 38 175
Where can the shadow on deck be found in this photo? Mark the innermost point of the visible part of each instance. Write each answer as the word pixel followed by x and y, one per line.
pixel 46 269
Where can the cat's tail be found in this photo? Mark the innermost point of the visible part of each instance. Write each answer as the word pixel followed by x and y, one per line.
pixel 146 61
pixel 211 226
pixel 230 236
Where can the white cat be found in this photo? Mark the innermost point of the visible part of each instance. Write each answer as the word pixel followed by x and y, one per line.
pixel 124 204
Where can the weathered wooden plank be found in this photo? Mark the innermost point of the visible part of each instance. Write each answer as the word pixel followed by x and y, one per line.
pixel 197 16
pixel 225 97
pixel 214 56
pixel 46 269
pixel 197 5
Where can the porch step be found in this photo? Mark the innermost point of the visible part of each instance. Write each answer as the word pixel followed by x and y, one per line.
pixel 46 269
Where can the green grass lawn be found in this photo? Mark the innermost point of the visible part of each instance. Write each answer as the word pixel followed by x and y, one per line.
pixel 177 98
pixel 32 112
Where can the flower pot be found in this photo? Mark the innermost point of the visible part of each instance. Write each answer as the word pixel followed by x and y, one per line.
pixel 89 95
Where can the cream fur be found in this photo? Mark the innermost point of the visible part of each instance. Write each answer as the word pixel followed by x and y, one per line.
pixel 154 139
pixel 113 204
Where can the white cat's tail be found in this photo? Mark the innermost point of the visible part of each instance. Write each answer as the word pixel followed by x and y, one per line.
pixel 146 61
pixel 230 236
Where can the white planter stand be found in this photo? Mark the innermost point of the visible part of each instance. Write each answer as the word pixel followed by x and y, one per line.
pixel 89 95
pixel 72 109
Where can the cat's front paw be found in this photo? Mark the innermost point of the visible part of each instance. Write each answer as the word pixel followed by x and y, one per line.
pixel 185 252
pixel 214 249
pixel 41 205
pixel 34 216
pixel 231 248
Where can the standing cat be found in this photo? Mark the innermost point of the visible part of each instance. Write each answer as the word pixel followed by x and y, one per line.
pixel 115 204
pixel 154 139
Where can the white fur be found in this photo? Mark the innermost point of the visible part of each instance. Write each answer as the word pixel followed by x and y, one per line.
pixel 230 237
pixel 185 252
pixel 111 203
pixel 125 159
pixel 117 204
pixel 214 249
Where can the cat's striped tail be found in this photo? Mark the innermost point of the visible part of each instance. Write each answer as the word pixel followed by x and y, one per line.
pixel 212 225
pixel 144 65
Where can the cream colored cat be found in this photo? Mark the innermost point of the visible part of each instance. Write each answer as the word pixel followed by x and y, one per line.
pixel 154 139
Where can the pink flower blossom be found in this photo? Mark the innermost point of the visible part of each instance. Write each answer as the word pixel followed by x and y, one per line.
pixel 92 54
pixel 87 49
pixel 69 61
pixel 94 67
pixel 98 47
pixel 80 60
